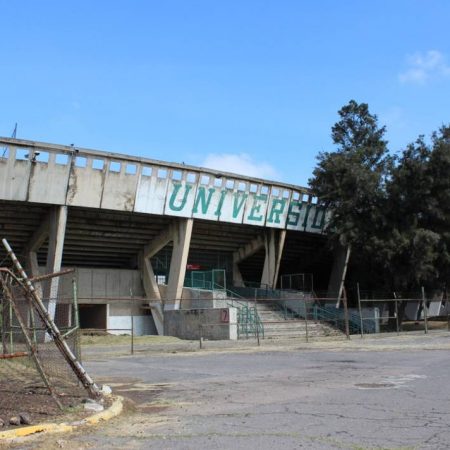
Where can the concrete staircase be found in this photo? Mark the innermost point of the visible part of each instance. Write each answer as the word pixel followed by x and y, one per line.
pixel 276 326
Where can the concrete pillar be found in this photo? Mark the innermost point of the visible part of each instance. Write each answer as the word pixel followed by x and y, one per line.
pixel 53 228
pixel 338 272
pixel 152 292
pixel 34 244
pixel 274 244
pixel 179 232
pixel 180 252
pixel 237 276
pixel 181 242
pixel 57 232
pixel 243 253
pixel 148 278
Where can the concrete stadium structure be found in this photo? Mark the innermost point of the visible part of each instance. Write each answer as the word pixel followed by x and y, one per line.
pixel 129 224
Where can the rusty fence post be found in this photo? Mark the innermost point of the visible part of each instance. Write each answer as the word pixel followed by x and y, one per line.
pixel 396 316
pixel 361 322
pixel 425 312
pixel 347 326
pixel 200 336
pixel 306 321
pixel 132 321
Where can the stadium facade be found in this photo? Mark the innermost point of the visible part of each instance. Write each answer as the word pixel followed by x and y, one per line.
pixel 152 231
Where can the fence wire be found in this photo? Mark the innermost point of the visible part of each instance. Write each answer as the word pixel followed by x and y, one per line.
pixel 306 316
pixel 35 379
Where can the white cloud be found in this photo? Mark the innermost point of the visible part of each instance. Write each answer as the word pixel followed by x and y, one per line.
pixel 242 164
pixel 423 67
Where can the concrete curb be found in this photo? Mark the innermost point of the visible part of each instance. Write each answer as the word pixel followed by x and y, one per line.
pixel 114 410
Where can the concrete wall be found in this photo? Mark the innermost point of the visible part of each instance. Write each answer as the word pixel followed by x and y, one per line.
pixel 103 283
pixel 216 323
pixel 143 325
pixel 202 299
pixel 112 288
pixel 62 175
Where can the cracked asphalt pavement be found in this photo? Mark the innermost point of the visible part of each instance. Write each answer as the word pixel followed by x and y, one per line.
pixel 354 397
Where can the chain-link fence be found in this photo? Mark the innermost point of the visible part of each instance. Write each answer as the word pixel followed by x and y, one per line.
pixel 403 311
pixel 304 316
pixel 34 375
pixel 300 316
pixel 114 316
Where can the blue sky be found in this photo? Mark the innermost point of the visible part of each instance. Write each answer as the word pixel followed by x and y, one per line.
pixel 245 86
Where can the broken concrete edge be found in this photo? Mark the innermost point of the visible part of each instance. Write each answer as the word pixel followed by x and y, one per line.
pixel 114 410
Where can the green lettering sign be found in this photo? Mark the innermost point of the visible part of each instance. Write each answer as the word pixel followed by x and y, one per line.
pixel 177 187
pixel 238 204
pixel 320 213
pixel 221 200
pixel 257 207
pixel 278 205
pixel 308 209
pixel 294 216
pixel 201 199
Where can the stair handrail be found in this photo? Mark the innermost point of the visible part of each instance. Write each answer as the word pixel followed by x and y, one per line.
pixel 336 316
pixel 249 320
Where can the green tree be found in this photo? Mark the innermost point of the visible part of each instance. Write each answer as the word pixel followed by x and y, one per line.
pixel 439 207
pixel 393 212
pixel 409 249
pixel 351 180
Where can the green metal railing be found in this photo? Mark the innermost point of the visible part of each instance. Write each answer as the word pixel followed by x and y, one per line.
pixel 336 317
pixel 210 280
pixel 249 322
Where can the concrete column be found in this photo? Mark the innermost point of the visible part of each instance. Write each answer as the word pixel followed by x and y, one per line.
pixel 274 244
pixel 148 279
pixel 338 273
pixel 152 292
pixel 34 244
pixel 57 231
pixel 243 253
pixel 181 242
pixel 237 276
pixel 32 267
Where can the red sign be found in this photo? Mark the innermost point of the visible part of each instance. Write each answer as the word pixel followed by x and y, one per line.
pixel 193 266
pixel 224 316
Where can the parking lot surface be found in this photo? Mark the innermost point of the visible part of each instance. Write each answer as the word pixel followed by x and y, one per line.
pixel 376 394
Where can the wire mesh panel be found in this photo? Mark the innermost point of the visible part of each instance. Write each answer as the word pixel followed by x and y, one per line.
pixel 214 280
pixel 34 375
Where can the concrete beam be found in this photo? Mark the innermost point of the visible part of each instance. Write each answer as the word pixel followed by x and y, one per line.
pixel 32 247
pixel 148 278
pixel 159 242
pixel 248 250
pixel 243 253
pixel 152 292
pixel 181 241
pixel 238 280
pixel 274 244
pixel 58 221
pixel 338 273
pixel 39 236
pixel 179 232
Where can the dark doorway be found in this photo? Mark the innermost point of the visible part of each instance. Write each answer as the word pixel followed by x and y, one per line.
pixel 93 316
